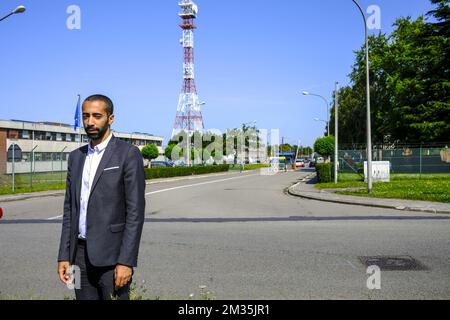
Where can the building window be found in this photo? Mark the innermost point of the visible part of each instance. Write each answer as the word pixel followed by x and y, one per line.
pixel 59 136
pixel 25 134
pixel 39 135
pixel 69 137
pixel 46 156
pixel 77 138
pixel 48 136
pixel 13 134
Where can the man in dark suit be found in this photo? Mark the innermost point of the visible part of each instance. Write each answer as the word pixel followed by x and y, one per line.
pixel 104 208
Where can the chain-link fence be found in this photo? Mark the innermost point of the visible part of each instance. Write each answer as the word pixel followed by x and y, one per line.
pixel 412 159
pixel 33 172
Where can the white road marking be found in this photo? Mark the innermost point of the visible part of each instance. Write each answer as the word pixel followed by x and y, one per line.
pixel 199 184
pixel 182 187
pixel 351 264
pixel 54 218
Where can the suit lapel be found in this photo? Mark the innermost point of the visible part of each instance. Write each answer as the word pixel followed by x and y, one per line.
pixel 79 174
pixel 109 150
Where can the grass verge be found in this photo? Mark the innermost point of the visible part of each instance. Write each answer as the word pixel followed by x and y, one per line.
pixel 426 187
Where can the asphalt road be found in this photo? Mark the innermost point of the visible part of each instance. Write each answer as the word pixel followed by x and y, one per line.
pixel 242 237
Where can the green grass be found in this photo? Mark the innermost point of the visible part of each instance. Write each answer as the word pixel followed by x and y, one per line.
pixel 426 187
pixel 249 167
pixel 137 292
pixel 41 182
pixel 36 187
pixel 346 180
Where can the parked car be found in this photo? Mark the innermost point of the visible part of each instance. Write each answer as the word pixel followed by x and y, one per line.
pixel 300 163
pixel 180 163
pixel 155 164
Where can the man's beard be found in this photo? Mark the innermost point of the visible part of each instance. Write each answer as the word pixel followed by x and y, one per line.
pixel 97 135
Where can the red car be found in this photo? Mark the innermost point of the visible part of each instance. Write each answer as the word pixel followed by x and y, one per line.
pixel 300 163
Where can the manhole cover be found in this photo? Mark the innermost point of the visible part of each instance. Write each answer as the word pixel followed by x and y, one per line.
pixel 391 263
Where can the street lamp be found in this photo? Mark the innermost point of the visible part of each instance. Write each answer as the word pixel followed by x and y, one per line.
pixel 306 93
pixel 369 138
pixel 19 9
pixel 336 133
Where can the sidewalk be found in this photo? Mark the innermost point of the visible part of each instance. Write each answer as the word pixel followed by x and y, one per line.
pixel 56 193
pixel 306 189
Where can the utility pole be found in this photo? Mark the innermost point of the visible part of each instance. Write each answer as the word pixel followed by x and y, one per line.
pixel 369 130
pixel 336 132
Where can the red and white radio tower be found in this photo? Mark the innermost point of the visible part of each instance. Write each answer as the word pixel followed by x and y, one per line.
pixel 189 115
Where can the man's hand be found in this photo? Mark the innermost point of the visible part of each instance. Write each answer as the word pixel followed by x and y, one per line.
pixel 122 275
pixel 63 271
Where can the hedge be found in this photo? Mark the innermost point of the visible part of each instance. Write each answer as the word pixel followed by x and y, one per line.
pixel 325 172
pixel 248 167
pixel 167 172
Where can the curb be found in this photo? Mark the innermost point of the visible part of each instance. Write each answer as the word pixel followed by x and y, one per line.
pixel 26 196
pixel 361 201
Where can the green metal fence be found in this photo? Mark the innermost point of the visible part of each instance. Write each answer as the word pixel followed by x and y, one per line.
pixel 416 159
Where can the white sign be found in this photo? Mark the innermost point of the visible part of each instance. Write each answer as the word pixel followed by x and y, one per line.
pixel 380 171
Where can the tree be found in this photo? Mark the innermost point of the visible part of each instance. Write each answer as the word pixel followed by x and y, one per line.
pixel 325 146
pixel 168 151
pixel 409 84
pixel 442 15
pixel 286 148
pixel 150 152
pixel 306 151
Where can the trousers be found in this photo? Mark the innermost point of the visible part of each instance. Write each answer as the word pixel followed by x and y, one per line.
pixel 97 283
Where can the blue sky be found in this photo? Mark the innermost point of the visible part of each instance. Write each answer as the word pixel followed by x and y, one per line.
pixel 253 59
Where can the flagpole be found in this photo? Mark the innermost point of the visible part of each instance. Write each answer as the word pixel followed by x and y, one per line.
pixel 79 120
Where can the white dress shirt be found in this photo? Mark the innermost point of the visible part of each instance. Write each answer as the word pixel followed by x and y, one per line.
pixel 93 158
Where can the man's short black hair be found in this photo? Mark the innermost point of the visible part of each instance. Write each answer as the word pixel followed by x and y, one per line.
pixel 105 99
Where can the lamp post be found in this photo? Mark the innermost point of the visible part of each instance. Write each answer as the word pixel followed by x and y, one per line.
pixel 369 137
pixel 19 9
pixel 306 93
pixel 336 132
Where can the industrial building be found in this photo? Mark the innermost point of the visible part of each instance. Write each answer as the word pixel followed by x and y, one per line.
pixel 45 146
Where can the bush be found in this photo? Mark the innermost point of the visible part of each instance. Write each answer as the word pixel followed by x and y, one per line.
pixel 325 172
pixel 150 152
pixel 167 172
pixel 324 146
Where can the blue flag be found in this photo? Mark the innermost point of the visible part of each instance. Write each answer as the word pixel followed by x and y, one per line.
pixel 77 115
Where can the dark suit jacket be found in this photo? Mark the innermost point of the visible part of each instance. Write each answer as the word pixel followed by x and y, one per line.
pixel 116 207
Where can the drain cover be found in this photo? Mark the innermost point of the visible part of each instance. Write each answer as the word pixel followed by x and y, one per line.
pixel 392 263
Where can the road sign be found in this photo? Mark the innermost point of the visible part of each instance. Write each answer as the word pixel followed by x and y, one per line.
pixel 17 153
